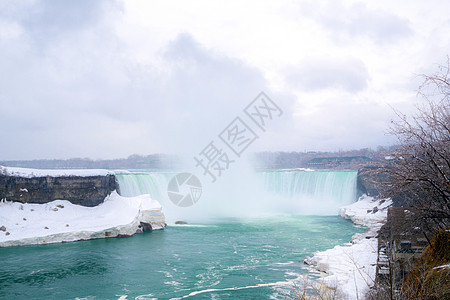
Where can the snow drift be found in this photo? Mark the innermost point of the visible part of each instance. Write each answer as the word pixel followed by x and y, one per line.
pixel 29 173
pixel 62 221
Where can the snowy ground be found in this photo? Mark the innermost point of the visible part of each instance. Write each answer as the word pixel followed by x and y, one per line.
pixel 25 172
pixel 60 220
pixel 351 268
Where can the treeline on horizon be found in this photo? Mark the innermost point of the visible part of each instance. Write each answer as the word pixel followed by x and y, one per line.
pixel 135 161
pixel 260 160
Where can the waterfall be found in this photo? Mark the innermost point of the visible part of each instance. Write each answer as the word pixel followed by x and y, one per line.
pixel 319 186
pixel 153 183
pixel 298 192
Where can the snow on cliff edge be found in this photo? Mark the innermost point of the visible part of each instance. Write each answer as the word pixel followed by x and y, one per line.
pixel 60 220
pixel 26 172
pixel 352 268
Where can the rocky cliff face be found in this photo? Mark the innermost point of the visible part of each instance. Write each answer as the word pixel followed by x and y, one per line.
pixel 368 181
pixel 86 191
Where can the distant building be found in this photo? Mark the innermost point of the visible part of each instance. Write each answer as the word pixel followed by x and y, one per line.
pixel 338 162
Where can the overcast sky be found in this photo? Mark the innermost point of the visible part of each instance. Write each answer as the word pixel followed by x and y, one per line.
pixel 105 79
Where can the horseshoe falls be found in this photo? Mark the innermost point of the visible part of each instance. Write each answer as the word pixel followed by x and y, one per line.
pixel 312 192
pixel 260 194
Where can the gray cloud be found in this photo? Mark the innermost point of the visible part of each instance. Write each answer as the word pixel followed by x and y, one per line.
pixel 349 74
pixel 339 123
pixel 357 20
pixel 50 20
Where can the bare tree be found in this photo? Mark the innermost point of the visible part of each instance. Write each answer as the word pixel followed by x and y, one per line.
pixel 419 171
pixel 420 167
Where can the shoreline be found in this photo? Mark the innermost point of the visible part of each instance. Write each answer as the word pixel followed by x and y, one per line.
pixel 350 269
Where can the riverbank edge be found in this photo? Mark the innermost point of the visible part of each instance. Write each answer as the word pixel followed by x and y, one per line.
pixel 350 269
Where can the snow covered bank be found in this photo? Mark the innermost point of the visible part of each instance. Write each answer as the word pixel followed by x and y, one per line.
pixel 62 221
pixel 352 268
pixel 367 212
pixel 29 173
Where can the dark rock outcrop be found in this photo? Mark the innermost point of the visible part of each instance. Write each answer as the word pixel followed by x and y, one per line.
pixel 86 191
pixel 368 181
pixel 371 180
pixel 145 226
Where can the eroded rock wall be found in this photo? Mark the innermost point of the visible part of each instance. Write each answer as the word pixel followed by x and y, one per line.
pixel 368 181
pixel 86 191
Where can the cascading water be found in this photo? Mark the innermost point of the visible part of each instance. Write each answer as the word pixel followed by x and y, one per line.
pixel 272 192
pixel 135 184
pixel 320 186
